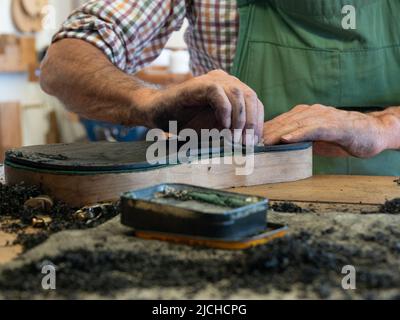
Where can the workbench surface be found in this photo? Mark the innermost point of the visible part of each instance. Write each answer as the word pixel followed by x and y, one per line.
pixel 342 227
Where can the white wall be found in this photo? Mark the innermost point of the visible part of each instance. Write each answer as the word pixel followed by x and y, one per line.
pixel 62 9
pixel 15 87
pixel 36 105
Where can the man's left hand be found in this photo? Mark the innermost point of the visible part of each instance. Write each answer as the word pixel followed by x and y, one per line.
pixel 357 134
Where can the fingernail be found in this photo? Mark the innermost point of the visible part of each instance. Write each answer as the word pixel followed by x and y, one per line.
pixel 256 140
pixel 249 139
pixel 287 137
pixel 237 135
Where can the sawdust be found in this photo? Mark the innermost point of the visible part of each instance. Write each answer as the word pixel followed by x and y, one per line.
pixel 288 207
pixel 391 206
pixel 15 217
pixel 108 262
pixel 36 156
pixel 13 199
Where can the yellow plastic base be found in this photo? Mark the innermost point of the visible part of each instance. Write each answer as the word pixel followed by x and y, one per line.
pixel 260 239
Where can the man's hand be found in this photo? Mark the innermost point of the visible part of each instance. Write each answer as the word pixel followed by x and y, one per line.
pixel 214 100
pixel 338 132
pixel 83 78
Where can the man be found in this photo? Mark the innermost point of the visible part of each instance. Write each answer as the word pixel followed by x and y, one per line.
pixel 290 63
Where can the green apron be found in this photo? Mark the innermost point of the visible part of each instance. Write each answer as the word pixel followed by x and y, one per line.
pixel 297 52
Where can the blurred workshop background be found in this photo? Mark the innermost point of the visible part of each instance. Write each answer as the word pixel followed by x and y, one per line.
pixel 30 117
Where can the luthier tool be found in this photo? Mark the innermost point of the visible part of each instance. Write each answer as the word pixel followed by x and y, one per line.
pixel 86 173
pixel 198 216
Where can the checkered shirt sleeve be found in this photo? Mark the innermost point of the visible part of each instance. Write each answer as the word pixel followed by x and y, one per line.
pixel 132 33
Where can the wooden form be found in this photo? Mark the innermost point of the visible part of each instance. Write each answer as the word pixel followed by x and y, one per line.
pixel 98 183
pixel 10 127
pixel 17 54
pixel 27 14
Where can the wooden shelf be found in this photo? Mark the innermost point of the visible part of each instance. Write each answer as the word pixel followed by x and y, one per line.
pixel 161 76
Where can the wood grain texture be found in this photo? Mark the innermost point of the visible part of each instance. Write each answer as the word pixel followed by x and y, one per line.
pixel 10 127
pixel 368 190
pixel 78 190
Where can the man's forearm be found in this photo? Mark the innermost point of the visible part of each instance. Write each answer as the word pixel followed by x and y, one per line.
pixel 83 78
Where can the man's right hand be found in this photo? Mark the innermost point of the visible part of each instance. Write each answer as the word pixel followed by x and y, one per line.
pixel 214 100
pixel 83 78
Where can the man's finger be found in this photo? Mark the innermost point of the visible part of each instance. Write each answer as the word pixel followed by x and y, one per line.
pixel 260 121
pixel 308 117
pixel 251 101
pixel 221 104
pixel 310 133
pixel 274 135
pixel 237 100
pixel 290 120
pixel 297 109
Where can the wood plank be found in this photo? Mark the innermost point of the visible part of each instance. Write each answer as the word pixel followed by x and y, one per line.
pixel 10 127
pixel 17 53
pixel 331 189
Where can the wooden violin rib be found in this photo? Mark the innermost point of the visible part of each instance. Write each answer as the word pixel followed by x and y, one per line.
pixel 88 173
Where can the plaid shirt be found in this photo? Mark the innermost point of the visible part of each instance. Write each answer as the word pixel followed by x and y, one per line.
pixel 132 33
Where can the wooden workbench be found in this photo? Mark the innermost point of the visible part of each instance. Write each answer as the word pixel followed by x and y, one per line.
pixel 331 192
pixel 364 190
